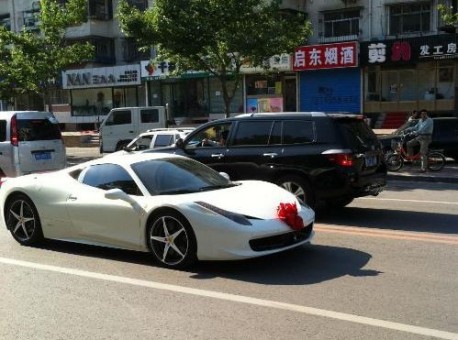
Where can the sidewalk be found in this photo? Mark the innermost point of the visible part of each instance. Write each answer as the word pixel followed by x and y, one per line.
pixel 449 174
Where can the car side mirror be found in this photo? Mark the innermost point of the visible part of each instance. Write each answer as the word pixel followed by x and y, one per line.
pixel 225 175
pixel 179 143
pixel 118 194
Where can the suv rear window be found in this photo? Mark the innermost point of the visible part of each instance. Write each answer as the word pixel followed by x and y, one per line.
pixel 357 133
pixel 297 132
pixel 37 129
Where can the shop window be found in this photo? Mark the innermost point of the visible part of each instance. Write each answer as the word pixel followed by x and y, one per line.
pixel 341 23
pixel 410 18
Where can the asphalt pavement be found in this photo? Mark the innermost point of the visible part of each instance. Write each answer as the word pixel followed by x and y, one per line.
pixel 408 173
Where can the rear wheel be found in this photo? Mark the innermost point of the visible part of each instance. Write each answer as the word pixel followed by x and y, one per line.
pixel 436 161
pixel 394 162
pixel 22 220
pixel 299 188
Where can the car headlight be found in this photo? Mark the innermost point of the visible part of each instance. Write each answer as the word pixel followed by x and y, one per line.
pixel 237 218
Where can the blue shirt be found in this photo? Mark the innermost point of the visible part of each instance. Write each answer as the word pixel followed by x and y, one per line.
pixel 423 127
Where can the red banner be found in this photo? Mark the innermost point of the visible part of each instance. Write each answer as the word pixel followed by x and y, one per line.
pixel 317 57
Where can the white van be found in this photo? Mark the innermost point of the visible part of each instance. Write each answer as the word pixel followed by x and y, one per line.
pixel 30 141
pixel 123 124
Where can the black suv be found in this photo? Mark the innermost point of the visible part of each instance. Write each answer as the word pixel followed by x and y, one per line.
pixel 316 156
pixel 444 138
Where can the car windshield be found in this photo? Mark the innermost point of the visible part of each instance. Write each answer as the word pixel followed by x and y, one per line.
pixel 177 176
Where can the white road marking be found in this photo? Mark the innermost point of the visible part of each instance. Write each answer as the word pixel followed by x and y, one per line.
pixel 406 200
pixel 238 298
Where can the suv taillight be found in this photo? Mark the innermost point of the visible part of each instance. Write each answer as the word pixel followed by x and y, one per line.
pixel 342 159
pixel 14 138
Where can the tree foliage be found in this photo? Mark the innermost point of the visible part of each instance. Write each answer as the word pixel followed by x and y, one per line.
pixel 448 15
pixel 214 35
pixel 31 61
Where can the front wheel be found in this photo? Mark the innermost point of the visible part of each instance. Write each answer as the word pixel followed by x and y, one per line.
pixel 394 162
pixel 22 220
pixel 171 240
pixel 436 161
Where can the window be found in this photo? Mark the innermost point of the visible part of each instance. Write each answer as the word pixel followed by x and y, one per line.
pixel 119 118
pixel 2 130
pixel 38 129
pixel 110 176
pixel 5 21
pixel 131 51
pixel 141 5
pixel 298 132
pixel 163 140
pixel 100 9
pixel 409 18
pixel 342 23
pixel 149 116
pixel 253 133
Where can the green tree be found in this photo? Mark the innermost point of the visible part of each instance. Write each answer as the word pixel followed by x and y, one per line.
pixel 215 36
pixel 449 16
pixel 32 61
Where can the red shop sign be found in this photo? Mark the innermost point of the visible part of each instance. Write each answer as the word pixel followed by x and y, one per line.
pixel 317 57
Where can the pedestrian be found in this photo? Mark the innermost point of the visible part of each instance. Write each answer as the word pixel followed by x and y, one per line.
pixel 413 116
pixel 422 132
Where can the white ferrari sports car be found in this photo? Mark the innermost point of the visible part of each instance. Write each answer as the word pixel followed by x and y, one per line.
pixel 178 209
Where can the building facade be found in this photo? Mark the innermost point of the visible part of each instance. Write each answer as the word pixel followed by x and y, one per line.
pixel 382 58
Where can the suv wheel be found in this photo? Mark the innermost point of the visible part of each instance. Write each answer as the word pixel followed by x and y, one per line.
pixel 299 188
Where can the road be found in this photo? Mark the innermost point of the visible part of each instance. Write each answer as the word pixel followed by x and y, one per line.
pixel 382 268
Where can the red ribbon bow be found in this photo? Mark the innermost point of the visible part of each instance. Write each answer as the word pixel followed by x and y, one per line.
pixel 287 212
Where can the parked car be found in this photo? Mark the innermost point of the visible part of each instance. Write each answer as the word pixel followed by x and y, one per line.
pixel 444 138
pixel 155 138
pixel 316 156
pixel 176 208
pixel 30 141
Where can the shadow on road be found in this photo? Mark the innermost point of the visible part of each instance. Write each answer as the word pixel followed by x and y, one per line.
pixel 302 266
pixel 390 219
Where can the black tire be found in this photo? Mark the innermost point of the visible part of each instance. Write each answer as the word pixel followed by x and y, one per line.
pixel 339 202
pixel 436 161
pixel 299 188
pixel 171 240
pixel 394 162
pixel 22 220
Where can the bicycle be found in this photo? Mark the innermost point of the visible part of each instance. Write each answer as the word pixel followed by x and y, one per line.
pixel 395 160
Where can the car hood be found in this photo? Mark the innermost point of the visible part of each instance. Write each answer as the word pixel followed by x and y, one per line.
pixel 252 198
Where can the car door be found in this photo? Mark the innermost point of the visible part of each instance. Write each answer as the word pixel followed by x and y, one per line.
pixel 212 152
pixel 251 150
pixel 103 221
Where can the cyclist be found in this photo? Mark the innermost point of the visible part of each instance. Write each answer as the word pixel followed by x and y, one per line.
pixel 422 132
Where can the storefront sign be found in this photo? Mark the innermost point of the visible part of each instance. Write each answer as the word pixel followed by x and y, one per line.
pixel 151 70
pixel 126 75
pixel 326 56
pixel 280 62
pixel 408 51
